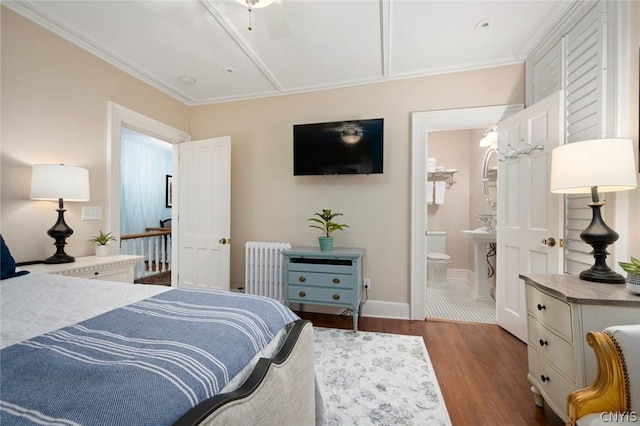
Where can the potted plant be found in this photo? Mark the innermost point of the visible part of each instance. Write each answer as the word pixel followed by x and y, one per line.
pixel 324 222
pixel 632 269
pixel 101 241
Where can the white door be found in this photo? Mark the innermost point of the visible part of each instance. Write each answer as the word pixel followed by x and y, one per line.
pixel 528 214
pixel 204 193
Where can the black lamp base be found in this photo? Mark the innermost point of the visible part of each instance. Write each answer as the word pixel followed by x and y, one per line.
pixel 60 258
pixel 609 277
pixel 599 236
pixel 60 232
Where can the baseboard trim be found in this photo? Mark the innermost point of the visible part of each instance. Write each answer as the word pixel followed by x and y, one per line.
pixel 460 274
pixel 391 310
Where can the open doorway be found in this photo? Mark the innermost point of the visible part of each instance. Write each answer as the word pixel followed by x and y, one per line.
pixel 145 205
pixel 122 120
pixel 456 201
pixel 422 124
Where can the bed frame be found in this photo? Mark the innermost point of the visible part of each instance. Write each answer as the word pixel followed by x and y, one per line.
pixel 280 390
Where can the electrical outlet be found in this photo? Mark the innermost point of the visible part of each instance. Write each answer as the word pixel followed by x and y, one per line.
pixel 367 283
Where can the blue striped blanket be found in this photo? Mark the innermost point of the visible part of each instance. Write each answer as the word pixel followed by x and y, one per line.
pixel 143 364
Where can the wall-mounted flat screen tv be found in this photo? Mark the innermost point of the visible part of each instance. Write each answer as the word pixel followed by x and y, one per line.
pixel 341 147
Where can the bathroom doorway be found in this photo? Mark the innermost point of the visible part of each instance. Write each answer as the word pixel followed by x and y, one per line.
pixel 455 199
pixel 422 124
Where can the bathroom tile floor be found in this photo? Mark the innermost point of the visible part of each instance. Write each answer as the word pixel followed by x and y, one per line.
pixel 455 302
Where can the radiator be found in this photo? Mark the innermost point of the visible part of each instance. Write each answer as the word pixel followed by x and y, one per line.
pixel 263 274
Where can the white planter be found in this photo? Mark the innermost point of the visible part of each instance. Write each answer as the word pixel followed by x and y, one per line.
pixel 633 283
pixel 102 250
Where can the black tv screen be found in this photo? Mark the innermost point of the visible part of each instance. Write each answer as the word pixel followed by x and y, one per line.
pixel 341 147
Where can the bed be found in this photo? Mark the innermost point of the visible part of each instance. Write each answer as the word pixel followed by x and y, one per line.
pixel 80 351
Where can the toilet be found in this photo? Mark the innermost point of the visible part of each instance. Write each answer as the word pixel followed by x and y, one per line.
pixel 437 259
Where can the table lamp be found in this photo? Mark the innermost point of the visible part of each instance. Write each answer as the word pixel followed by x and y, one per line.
pixel 59 182
pixel 605 165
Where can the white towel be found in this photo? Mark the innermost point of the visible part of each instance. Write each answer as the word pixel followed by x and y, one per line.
pixel 440 187
pixel 431 164
pixel 429 192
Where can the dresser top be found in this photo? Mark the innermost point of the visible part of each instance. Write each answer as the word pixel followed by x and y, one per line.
pixel 572 289
pixel 84 262
pixel 315 252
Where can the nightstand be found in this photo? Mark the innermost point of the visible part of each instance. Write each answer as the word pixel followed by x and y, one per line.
pixel 330 278
pixel 561 310
pixel 119 268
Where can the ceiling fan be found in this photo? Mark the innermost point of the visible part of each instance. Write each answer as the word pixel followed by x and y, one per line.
pixel 275 17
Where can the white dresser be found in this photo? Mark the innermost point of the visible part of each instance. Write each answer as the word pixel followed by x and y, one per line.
pixel 107 268
pixel 561 309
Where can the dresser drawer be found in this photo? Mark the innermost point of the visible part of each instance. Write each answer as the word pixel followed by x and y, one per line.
pixel 555 385
pixel 550 311
pixel 314 265
pixel 306 294
pixel 555 349
pixel 121 275
pixel 318 279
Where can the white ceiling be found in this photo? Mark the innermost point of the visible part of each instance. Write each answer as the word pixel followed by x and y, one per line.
pixel 331 43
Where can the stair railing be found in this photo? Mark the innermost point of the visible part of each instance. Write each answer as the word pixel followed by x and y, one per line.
pixel 154 246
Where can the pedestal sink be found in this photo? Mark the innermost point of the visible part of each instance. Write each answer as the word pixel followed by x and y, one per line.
pixel 481 237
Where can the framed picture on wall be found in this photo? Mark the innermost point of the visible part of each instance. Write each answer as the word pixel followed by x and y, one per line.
pixel 168 191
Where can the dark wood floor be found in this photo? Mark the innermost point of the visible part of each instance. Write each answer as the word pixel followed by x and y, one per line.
pixel 481 369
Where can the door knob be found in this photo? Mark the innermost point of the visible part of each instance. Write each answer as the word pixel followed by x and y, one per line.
pixel 224 240
pixel 549 241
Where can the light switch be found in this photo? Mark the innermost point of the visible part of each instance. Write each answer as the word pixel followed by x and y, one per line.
pixel 91 213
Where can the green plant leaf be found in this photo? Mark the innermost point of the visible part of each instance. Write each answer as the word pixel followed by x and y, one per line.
pixel 102 238
pixel 326 225
pixel 630 268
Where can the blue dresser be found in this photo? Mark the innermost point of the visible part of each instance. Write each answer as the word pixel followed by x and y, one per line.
pixel 331 278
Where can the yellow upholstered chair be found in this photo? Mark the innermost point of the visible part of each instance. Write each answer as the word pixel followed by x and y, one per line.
pixel 614 396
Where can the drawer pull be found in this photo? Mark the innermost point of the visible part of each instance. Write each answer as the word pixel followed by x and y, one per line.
pixel 302 279
pixel 545 378
pixel 336 297
pixel 336 280
pixel 543 342
pixel 96 273
pixel 302 294
pixel 541 307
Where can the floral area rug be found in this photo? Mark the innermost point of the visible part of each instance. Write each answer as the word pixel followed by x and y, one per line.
pixel 377 379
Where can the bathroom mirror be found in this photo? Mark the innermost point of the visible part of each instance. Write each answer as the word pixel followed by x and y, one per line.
pixel 490 177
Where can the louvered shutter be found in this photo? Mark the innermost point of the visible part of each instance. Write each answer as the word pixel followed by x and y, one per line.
pixel 545 68
pixel 574 59
pixel 585 70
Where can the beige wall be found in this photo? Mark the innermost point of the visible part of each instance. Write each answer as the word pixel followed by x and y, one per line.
pixel 270 204
pixel 634 72
pixel 54 110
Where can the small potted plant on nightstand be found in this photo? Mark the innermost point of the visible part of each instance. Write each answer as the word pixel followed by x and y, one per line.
pixel 101 241
pixel 632 269
pixel 324 222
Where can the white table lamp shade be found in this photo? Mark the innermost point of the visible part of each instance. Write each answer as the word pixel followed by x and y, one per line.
pixel 607 164
pixel 55 181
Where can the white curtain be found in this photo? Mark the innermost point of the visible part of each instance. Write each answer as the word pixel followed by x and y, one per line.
pixel 143 177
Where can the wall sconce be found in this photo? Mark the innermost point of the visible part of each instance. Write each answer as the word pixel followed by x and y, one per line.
pixel 489 138
pixel 52 182
pixel 586 167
